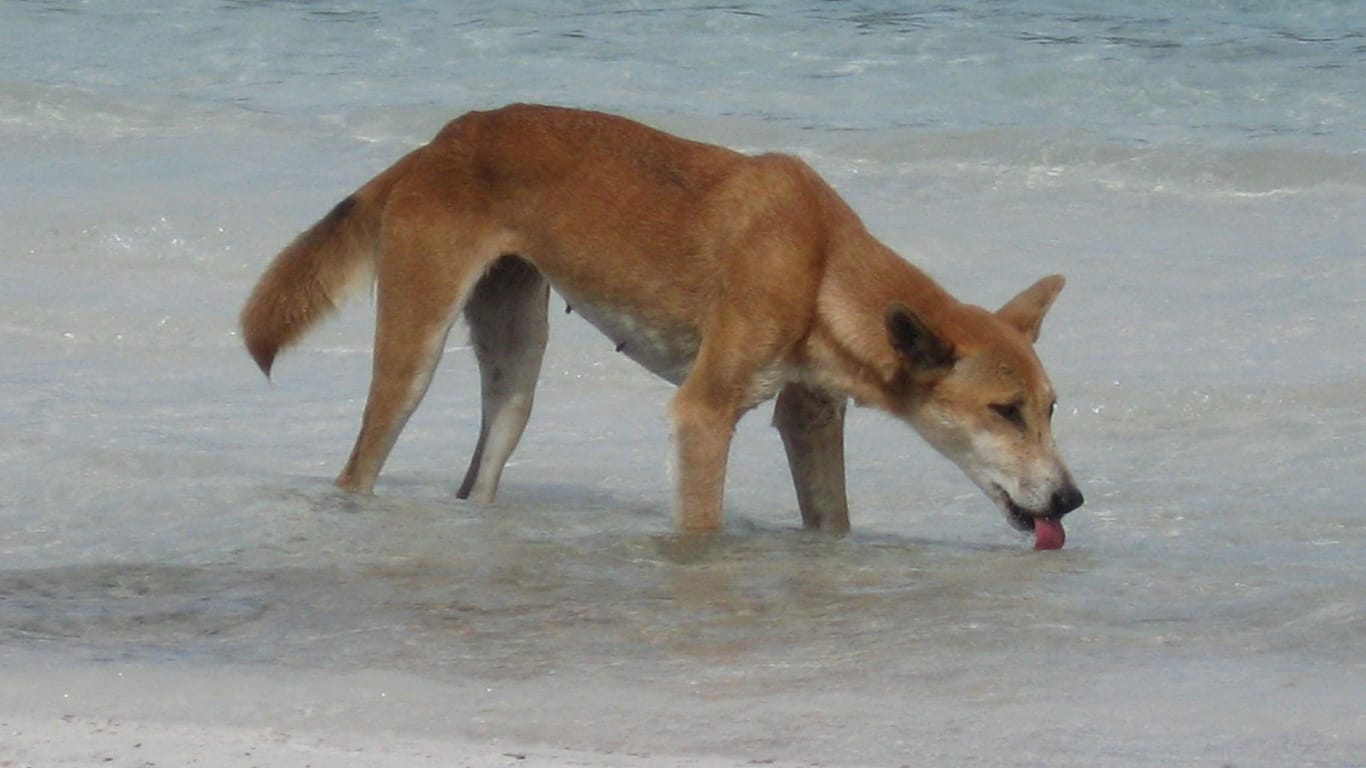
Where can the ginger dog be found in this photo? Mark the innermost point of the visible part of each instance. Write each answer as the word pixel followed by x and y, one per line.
pixel 735 277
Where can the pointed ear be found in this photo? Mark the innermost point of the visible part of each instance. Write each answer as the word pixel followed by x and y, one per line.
pixel 915 342
pixel 1025 312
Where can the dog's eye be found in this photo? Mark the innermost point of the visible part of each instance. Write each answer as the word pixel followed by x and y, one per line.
pixel 1010 412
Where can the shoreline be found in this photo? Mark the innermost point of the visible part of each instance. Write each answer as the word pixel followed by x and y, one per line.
pixel 56 710
pixel 71 740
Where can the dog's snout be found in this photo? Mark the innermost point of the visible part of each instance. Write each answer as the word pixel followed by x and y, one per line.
pixel 1065 500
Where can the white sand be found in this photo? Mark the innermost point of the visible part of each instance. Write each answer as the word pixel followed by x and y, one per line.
pixel 81 741
pixel 70 713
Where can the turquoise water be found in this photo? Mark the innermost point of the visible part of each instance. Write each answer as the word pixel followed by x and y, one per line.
pixel 1159 71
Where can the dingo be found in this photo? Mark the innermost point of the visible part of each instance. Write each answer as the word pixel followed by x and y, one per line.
pixel 735 277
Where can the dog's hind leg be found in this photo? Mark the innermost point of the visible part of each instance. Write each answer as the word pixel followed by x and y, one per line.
pixel 425 271
pixel 811 424
pixel 508 329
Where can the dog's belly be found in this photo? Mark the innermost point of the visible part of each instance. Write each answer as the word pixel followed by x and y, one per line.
pixel 666 352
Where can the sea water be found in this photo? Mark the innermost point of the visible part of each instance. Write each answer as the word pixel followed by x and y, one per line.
pixel 170 546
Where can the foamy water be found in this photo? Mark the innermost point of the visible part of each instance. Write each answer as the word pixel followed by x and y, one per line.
pixel 170 547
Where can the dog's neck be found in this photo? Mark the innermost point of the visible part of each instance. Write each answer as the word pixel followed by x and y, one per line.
pixel 849 340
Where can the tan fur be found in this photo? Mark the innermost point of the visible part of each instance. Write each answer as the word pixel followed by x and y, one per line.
pixel 736 277
pixel 313 274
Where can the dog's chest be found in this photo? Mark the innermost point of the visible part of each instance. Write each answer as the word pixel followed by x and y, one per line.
pixel 666 352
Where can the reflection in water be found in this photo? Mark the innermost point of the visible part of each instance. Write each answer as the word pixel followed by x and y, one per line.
pixel 517 594
pixel 500 595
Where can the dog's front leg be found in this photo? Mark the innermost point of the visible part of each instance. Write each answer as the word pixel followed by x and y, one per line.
pixel 811 424
pixel 703 427
pixel 702 439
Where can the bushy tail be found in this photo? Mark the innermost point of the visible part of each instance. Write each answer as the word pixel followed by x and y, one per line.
pixel 313 274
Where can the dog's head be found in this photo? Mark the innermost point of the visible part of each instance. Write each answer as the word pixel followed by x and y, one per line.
pixel 977 392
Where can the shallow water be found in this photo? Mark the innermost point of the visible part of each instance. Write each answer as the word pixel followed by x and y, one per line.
pixel 166 517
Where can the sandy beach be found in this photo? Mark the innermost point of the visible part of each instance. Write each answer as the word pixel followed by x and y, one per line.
pixel 80 742
pixel 151 717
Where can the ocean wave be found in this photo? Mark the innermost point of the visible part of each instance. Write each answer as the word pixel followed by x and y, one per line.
pixel 1004 158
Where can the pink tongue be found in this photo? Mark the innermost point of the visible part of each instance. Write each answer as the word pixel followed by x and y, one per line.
pixel 1048 533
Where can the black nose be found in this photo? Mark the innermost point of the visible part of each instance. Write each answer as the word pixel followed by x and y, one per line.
pixel 1065 500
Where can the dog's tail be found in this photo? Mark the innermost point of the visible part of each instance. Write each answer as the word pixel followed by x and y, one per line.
pixel 314 274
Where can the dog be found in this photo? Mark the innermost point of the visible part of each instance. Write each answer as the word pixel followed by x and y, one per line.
pixel 736 277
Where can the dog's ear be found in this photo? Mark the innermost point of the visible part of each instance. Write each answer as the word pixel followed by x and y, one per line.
pixel 915 342
pixel 1025 312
